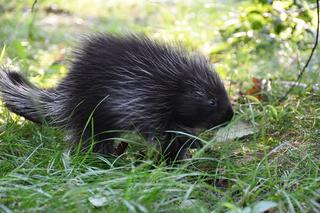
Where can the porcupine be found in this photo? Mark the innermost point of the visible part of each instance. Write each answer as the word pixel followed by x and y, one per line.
pixel 126 82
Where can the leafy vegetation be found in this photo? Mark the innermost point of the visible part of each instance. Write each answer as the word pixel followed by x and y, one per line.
pixel 277 168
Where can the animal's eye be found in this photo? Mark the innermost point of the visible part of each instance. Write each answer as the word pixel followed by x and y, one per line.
pixel 212 102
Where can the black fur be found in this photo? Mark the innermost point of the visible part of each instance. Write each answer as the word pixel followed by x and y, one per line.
pixel 126 83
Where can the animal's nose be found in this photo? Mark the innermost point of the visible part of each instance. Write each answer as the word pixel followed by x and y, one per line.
pixel 229 113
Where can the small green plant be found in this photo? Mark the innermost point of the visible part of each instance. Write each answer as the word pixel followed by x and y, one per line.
pixel 274 168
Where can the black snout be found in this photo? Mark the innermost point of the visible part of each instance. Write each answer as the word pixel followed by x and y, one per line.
pixel 229 113
pixel 219 119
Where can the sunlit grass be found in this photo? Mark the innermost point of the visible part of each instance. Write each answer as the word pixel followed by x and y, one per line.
pixel 278 165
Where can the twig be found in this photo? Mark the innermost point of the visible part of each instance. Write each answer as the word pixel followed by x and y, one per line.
pixel 30 33
pixel 309 59
pixel 33 5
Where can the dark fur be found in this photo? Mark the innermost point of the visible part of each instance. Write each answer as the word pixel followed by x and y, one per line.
pixel 126 83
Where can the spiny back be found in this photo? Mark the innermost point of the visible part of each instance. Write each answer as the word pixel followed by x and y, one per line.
pixel 140 79
pixel 127 82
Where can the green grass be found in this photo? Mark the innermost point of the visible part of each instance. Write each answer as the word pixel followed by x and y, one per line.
pixel 280 163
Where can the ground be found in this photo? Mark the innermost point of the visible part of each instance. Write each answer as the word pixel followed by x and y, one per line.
pixel 255 47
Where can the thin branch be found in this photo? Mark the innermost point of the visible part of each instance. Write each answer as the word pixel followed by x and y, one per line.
pixel 33 5
pixel 30 32
pixel 309 59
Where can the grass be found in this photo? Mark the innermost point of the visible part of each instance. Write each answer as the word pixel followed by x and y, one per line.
pixel 276 168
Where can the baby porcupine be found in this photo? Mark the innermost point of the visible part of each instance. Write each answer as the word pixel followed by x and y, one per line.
pixel 126 82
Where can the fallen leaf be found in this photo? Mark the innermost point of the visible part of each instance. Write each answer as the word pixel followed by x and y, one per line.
pixel 253 99
pixel 256 88
pixel 260 86
pixel 235 131
pixel 98 201
pixel 263 206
